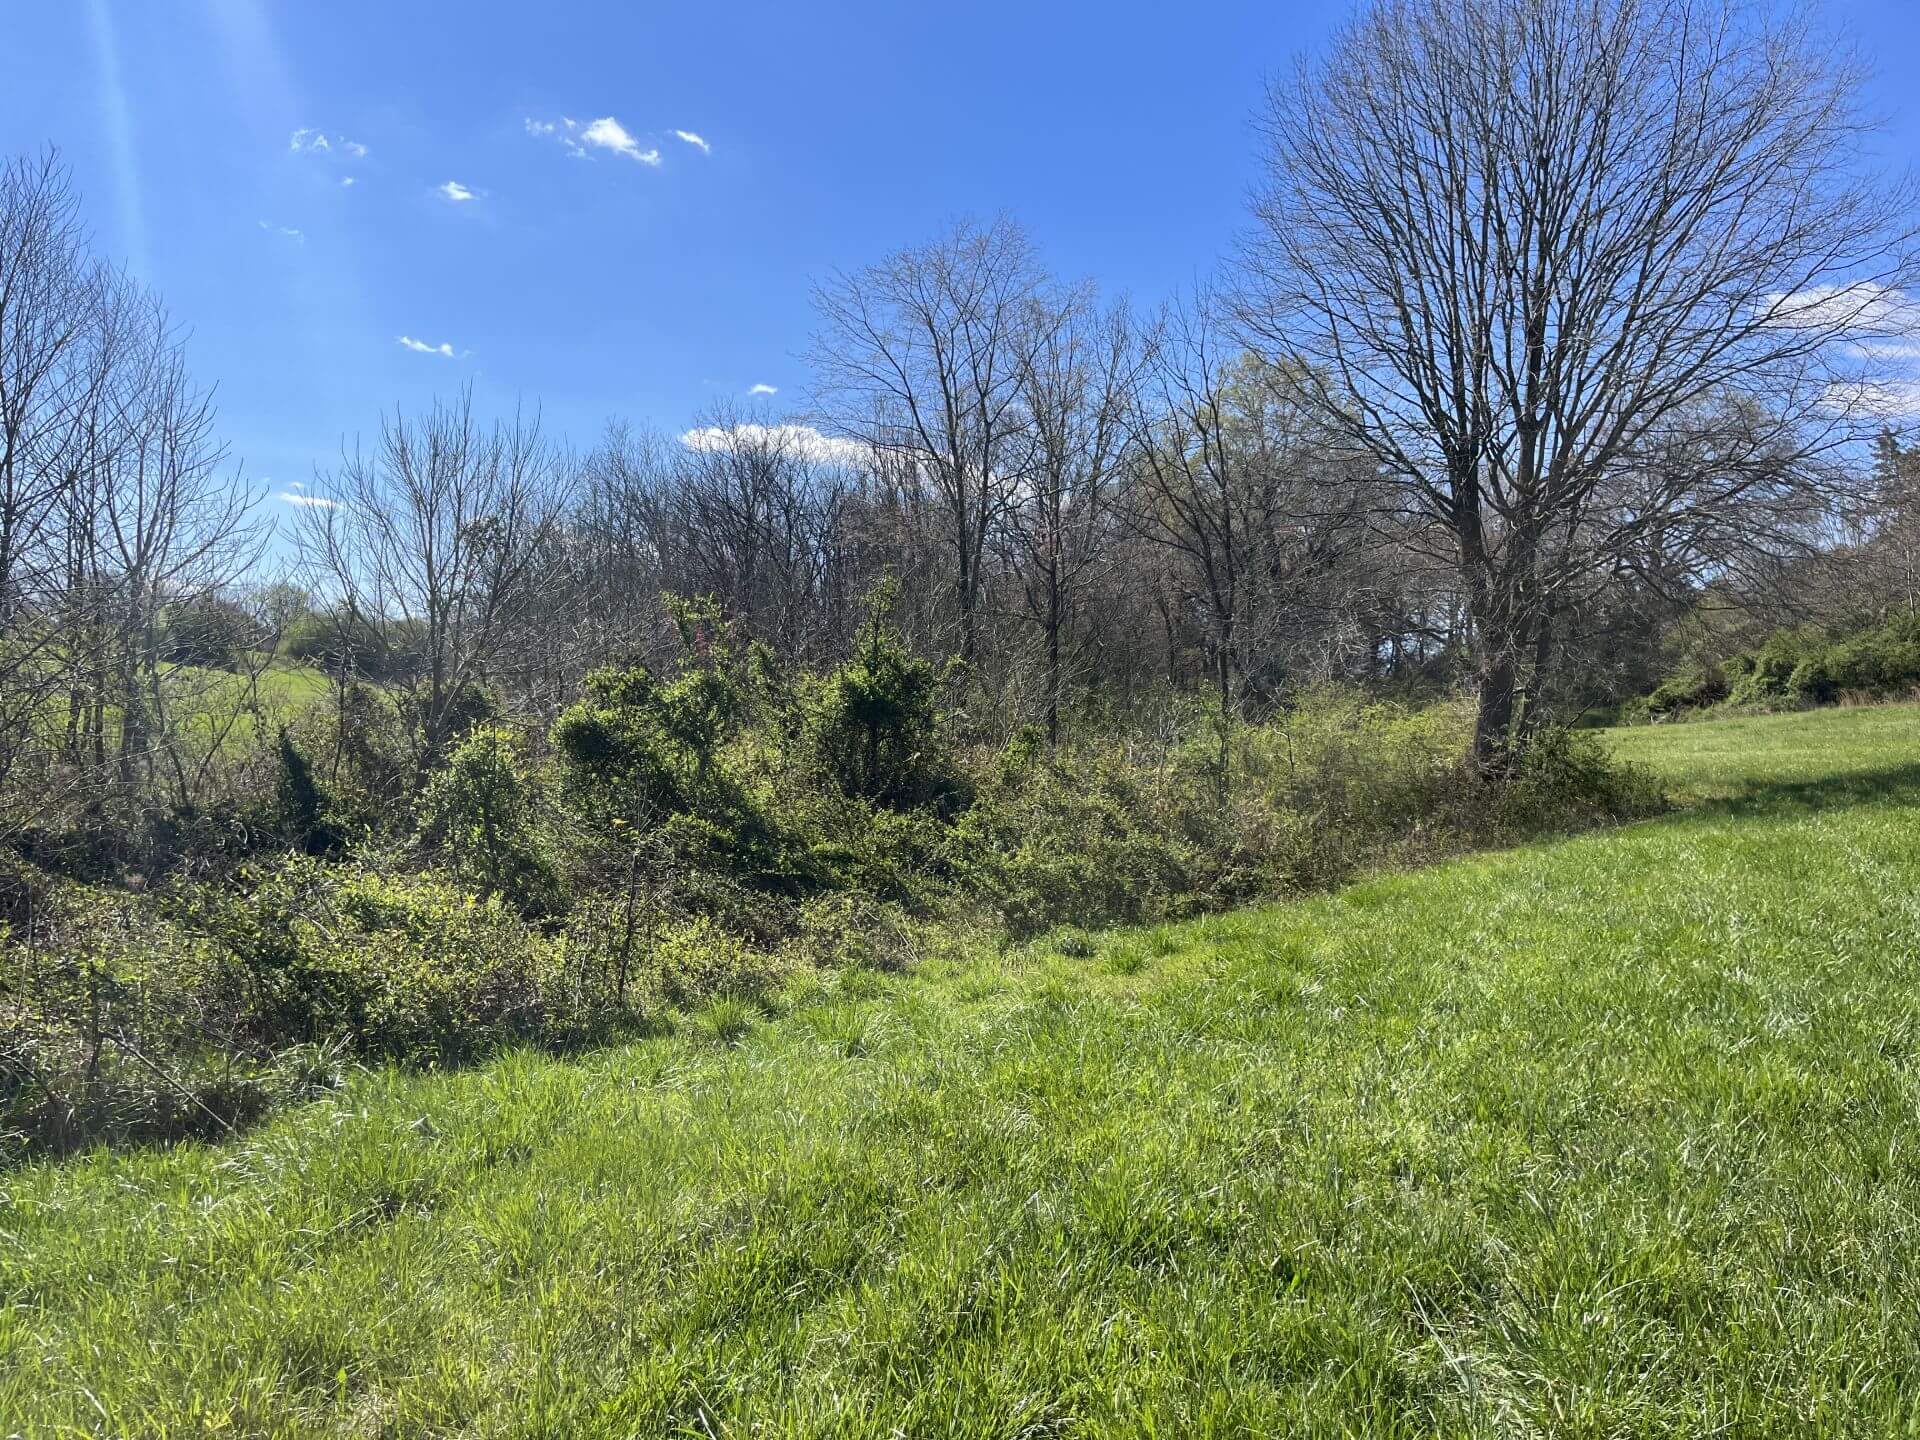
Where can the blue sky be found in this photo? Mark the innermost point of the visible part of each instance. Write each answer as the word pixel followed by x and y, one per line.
pixel 604 284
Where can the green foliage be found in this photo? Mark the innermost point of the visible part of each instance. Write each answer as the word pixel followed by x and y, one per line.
pixel 644 759
pixel 1803 665
pixel 1692 687
pixel 479 811
pixel 1606 1137
pixel 874 722
pixel 697 960
pixel 394 967
pixel 1568 778
pixel 206 631
pixel 339 641
pixel 719 830
pixel 356 744
pixel 725 1019
pixel 300 811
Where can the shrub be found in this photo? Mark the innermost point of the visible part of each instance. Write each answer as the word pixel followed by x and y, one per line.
pixel 850 930
pixel 642 758
pixel 1765 677
pixel 394 967
pixel 1693 687
pixel 1566 779
pixel 697 960
pixel 874 724
pixel 478 810
pixel 1089 841
pixel 300 812
pixel 359 757
pixel 1812 681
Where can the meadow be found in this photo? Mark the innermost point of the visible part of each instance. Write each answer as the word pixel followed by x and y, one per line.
pixel 1598 1137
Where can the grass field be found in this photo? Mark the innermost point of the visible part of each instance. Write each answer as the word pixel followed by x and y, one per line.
pixel 1610 1137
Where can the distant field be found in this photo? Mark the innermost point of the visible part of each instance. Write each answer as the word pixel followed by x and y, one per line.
pixel 1610 1137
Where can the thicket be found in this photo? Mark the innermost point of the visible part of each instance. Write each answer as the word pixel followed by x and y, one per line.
pixel 1793 668
pixel 681 840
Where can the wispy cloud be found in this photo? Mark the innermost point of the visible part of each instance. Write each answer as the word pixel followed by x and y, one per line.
pixel 309 141
pixel 455 192
pixel 609 134
pixel 606 133
pixel 421 347
pixel 565 131
pixel 346 179
pixel 802 440
pixel 286 232
pixel 695 140
pixel 1865 308
pixel 317 501
pixel 763 389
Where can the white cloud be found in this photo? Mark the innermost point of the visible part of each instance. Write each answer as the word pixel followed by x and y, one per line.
pixel 1875 400
pixel 695 140
pixel 562 130
pixel 606 133
pixel 609 134
pixel 286 232
pixel 346 179
pixel 802 439
pixel 763 389
pixel 1863 308
pixel 309 141
pixel 319 501
pixel 454 191
pixel 421 347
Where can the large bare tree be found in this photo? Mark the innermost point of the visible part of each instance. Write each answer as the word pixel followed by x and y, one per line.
pixel 1534 250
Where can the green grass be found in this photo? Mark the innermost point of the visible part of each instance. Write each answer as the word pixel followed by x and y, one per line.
pixel 1609 1137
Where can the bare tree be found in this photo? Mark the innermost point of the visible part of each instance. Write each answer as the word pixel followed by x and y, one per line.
pixel 1233 477
pixel 1078 379
pixel 438 543
pixel 920 357
pixel 752 511
pixel 117 510
pixel 1521 242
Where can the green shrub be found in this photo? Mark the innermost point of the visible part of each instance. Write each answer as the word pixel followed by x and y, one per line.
pixel 697 960
pixel 301 810
pixel 874 722
pixel 1567 779
pixel 851 930
pixel 395 967
pixel 642 758
pixel 1693 687
pixel 1812 681
pixel 479 811
pixel 1083 841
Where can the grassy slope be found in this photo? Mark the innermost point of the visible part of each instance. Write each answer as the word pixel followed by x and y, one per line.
pixel 1609 1137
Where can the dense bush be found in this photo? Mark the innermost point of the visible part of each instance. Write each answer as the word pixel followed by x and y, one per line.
pixel 693 837
pixel 874 723
pixel 1802 665
pixel 479 812
pixel 1692 687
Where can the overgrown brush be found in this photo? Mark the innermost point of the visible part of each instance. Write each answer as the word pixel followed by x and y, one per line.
pixel 1794 668
pixel 688 841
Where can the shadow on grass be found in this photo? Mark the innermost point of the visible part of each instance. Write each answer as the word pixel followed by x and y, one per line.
pixel 1886 785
